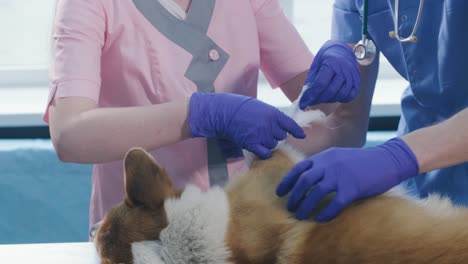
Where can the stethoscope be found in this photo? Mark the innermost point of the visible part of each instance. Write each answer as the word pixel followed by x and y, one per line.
pixel 365 50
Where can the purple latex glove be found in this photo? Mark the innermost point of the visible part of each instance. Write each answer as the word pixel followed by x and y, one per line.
pixel 350 172
pixel 333 76
pixel 244 121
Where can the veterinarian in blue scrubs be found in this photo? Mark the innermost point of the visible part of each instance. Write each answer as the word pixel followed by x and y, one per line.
pixel 430 153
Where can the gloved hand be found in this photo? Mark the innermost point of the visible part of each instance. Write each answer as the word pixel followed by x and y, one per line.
pixel 351 173
pixel 332 77
pixel 245 121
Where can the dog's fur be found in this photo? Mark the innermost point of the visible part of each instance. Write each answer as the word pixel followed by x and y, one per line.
pixel 387 229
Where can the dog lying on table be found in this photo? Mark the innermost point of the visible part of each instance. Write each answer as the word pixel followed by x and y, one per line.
pixel 247 223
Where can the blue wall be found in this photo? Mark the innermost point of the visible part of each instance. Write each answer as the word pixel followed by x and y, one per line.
pixel 43 200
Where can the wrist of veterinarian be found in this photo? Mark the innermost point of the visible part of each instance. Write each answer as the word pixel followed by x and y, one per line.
pixel 441 145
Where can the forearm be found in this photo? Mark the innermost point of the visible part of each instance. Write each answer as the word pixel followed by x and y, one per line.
pixel 345 124
pixel 441 145
pixel 106 134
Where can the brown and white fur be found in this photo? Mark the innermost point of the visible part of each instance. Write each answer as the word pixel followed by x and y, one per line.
pixel 247 223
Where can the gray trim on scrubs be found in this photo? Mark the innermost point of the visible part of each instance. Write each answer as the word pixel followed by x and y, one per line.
pixel 190 34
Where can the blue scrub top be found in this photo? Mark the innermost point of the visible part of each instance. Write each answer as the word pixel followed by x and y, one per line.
pixel 435 66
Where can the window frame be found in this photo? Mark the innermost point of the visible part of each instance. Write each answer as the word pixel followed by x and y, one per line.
pixel 15 77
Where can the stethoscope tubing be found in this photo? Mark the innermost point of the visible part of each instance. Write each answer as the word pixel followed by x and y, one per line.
pixel 367 47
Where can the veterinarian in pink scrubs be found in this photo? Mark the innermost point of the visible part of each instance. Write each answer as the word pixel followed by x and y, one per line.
pixel 174 77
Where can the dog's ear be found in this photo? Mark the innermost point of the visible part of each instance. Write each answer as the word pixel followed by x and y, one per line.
pixel 146 183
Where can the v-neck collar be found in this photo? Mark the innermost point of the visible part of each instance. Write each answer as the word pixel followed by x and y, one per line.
pixel 198 18
pixel 175 9
pixel 189 12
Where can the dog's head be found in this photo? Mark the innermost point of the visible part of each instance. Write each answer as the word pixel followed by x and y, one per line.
pixel 141 216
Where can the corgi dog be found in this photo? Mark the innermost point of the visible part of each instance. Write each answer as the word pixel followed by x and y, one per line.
pixel 246 223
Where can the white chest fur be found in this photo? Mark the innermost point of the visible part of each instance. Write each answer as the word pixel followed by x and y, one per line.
pixel 196 231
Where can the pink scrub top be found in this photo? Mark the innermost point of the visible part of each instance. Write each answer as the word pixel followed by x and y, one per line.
pixel 108 51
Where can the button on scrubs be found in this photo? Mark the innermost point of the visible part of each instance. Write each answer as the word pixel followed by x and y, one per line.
pixel 435 66
pixel 123 53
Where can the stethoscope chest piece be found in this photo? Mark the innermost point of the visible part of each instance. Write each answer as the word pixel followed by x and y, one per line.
pixel 365 51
